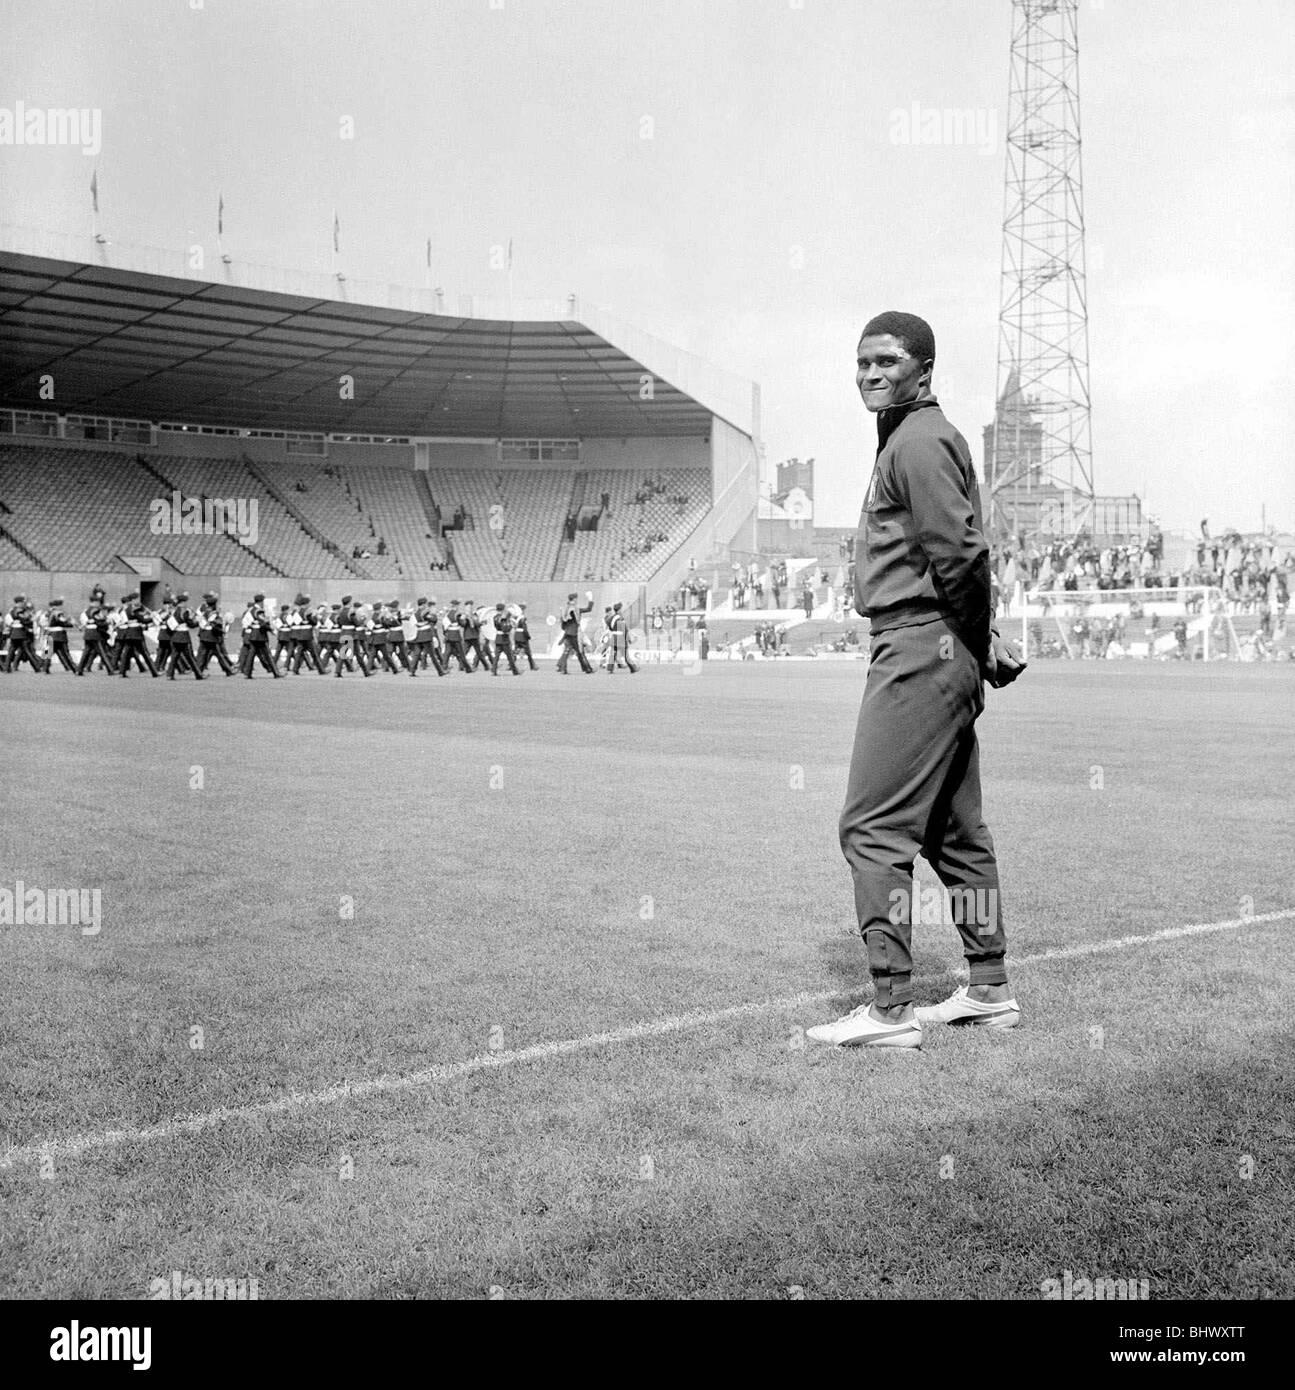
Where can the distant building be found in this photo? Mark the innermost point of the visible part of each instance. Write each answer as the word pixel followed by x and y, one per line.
pixel 785 520
pixel 792 475
pixel 1021 497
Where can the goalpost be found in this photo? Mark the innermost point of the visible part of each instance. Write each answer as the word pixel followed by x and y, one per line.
pixel 1140 624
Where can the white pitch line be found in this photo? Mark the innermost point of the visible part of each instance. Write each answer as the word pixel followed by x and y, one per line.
pixel 430 1076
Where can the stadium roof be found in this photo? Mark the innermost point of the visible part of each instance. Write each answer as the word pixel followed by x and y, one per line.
pixel 127 343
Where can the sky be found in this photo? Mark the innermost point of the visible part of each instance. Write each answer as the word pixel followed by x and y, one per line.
pixel 727 174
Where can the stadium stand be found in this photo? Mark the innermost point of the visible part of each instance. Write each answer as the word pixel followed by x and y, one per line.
pixel 397 505
pixel 478 551
pixel 535 510
pixel 524 543
pixel 81 508
pixel 13 556
pixel 621 547
pixel 318 501
pixel 282 542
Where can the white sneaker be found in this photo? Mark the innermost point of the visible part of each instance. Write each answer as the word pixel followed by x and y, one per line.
pixel 959 1008
pixel 859 1029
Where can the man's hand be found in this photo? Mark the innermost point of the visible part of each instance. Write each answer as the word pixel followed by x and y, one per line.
pixel 1004 662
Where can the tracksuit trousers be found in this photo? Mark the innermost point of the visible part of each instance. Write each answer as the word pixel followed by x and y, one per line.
pixel 914 787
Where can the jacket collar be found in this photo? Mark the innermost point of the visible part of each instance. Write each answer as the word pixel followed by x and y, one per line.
pixel 889 420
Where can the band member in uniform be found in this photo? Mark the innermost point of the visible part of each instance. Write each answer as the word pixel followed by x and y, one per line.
pixel 486 617
pixel 116 622
pixel 327 635
pixel 620 650
pixel 503 621
pixel 164 629
pixel 471 625
pixel 211 636
pixel 454 638
pixel 289 630
pixel 571 634
pixel 58 623
pixel 22 630
pixel 377 634
pixel 522 637
pixel 364 636
pixel 281 626
pixel 397 645
pixel 181 621
pixel 96 627
pixel 256 639
pixel 351 645
pixel 424 644
pixel 131 645
pixel 305 633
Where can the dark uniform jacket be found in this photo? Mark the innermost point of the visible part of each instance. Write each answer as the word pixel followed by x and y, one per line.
pixel 185 618
pixel 571 618
pixel 211 623
pixel 920 552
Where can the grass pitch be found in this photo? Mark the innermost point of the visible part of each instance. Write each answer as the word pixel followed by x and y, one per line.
pixel 320 882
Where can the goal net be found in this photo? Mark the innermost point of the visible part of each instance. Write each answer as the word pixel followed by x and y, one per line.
pixel 1181 624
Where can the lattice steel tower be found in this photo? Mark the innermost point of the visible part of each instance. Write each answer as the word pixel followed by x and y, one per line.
pixel 1038 452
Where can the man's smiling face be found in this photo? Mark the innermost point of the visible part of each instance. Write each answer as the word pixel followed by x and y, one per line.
pixel 887 373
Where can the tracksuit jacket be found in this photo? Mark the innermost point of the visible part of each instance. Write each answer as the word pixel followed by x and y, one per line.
pixel 920 552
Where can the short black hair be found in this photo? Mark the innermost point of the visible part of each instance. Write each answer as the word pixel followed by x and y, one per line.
pixel 915 333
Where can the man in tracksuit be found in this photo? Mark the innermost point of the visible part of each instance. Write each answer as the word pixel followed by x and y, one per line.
pixel 922 580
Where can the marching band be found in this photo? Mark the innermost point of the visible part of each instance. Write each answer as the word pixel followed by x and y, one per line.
pixel 322 638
